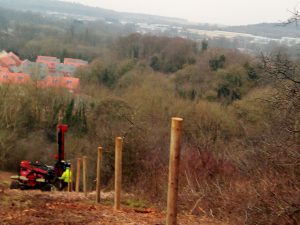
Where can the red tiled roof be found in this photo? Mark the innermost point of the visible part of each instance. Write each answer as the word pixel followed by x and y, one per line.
pixel 75 62
pixel 47 58
pixel 7 61
pixel 50 61
pixel 15 58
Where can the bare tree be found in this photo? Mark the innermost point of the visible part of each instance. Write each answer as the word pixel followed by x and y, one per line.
pixel 285 76
pixel 295 17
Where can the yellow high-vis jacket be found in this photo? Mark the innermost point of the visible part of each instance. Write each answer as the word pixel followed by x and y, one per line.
pixel 66 176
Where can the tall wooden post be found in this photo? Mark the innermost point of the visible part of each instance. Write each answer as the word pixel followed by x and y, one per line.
pixel 70 184
pixel 174 160
pixel 118 172
pixel 78 175
pixel 98 179
pixel 84 170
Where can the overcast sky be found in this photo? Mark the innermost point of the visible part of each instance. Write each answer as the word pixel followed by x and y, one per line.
pixel 227 12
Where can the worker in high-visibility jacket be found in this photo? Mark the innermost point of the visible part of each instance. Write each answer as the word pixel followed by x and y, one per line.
pixel 66 177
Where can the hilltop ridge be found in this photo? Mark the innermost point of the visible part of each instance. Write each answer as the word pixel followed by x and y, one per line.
pixel 83 12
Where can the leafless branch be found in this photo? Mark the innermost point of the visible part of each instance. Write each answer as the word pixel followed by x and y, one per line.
pixel 281 68
pixel 294 19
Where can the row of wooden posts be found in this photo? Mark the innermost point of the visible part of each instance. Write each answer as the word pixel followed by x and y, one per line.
pixel 175 143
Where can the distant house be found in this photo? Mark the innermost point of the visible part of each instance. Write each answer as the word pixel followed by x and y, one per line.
pixel 9 69
pixel 70 83
pixel 6 60
pixel 4 69
pixel 19 78
pixel 15 58
pixel 7 77
pixel 48 71
pixel 9 59
pixel 36 70
pixel 50 61
pixel 65 70
pixel 56 68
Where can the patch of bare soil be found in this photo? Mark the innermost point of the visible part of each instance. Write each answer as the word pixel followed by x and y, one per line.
pixel 36 207
pixel 70 208
pixel 4 176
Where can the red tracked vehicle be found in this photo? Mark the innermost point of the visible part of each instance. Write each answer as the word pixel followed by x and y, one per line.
pixel 36 175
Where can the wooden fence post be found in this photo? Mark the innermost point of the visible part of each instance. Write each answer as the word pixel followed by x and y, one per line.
pixel 84 170
pixel 72 176
pixel 78 175
pixel 98 179
pixel 70 184
pixel 118 172
pixel 174 160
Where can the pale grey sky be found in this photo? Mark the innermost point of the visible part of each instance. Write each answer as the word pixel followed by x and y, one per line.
pixel 229 12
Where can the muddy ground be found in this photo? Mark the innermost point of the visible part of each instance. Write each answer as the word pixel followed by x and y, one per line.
pixel 36 207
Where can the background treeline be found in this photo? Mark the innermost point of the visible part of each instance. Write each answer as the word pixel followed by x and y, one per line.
pixel 30 34
pixel 240 156
pixel 61 34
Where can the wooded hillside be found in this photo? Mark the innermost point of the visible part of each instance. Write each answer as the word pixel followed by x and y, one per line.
pixel 240 157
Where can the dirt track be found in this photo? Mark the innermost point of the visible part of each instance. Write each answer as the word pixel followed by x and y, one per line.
pixel 36 207
pixel 57 208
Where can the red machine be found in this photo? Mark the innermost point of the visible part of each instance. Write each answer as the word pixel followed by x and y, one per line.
pixel 35 175
pixel 60 166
